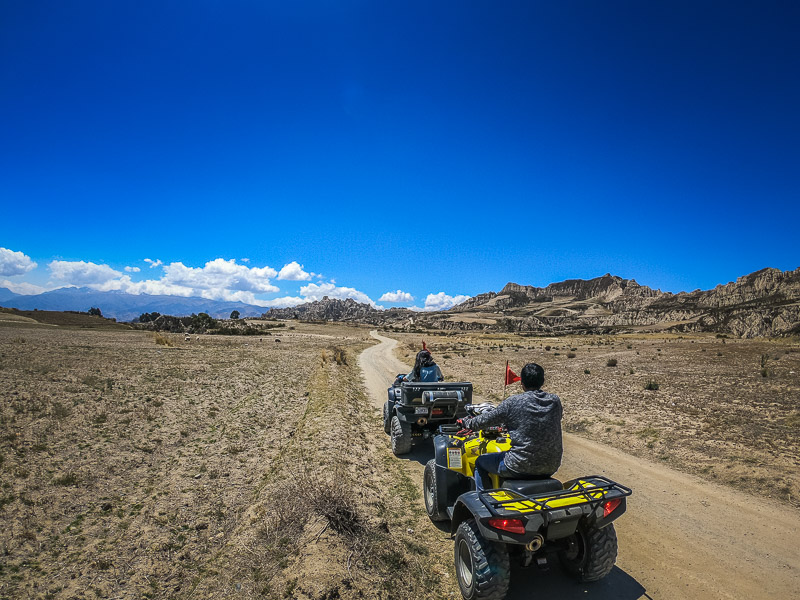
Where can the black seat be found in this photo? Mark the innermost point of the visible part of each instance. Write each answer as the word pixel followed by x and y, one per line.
pixel 530 487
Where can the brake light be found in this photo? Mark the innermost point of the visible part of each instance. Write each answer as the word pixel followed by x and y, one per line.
pixel 610 506
pixel 437 411
pixel 512 525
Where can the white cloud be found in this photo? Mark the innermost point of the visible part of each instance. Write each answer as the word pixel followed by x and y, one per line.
pixel 153 263
pixel 221 274
pixel 14 263
pixel 284 302
pixel 314 291
pixel 294 272
pixel 398 296
pixel 80 272
pixel 442 301
pixel 21 287
pixel 218 279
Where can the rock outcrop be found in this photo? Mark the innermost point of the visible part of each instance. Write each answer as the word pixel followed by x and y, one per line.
pixel 334 309
pixel 763 304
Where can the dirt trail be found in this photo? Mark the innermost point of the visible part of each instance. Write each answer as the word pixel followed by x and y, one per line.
pixel 682 537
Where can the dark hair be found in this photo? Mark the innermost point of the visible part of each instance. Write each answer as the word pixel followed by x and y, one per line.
pixel 532 376
pixel 424 359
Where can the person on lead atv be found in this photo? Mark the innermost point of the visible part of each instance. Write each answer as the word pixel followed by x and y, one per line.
pixel 533 420
pixel 425 369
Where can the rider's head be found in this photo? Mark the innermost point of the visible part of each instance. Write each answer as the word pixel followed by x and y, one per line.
pixel 532 376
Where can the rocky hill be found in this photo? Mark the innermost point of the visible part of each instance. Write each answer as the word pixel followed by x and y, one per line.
pixel 333 309
pixel 763 304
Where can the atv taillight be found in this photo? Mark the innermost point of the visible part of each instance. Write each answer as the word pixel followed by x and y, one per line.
pixel 512 525
pixel 610 506
pixel 437 411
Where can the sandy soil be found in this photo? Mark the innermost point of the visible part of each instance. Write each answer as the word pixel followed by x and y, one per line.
pixel 682 537
pixel 726 410
pixel 219 467
pixel 247 468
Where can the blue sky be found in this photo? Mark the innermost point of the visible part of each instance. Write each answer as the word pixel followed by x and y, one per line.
pixel 430 148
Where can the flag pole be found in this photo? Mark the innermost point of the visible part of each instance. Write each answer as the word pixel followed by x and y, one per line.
pixel 505 381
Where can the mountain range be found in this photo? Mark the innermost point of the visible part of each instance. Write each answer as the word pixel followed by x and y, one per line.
pixel 122 306
pixel 764 303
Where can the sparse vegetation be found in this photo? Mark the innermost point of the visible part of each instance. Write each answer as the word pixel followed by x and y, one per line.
pixel 651 385
pixel 162 340
pixel 611 362
pixel 66 479
pixel 195 447
pixel 340 356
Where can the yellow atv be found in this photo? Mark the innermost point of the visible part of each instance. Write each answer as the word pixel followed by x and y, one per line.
pixel 528 520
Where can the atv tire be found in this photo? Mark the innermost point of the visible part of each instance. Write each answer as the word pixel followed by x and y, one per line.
pixel 482 568
pixel 401 436
pixel 387 418
pixel 592 553
pixel 435 492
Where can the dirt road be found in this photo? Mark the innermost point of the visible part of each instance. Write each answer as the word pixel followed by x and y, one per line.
pixel 682 537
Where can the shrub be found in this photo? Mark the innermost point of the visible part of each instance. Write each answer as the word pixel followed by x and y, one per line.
pixel 547 348
pixel 764 369
pixel 66 479
pixel 59 411
pixel 162 340
pixel 587 372
pixel 340 356
pixel 651 385
pixel 570 355
pixel 611 362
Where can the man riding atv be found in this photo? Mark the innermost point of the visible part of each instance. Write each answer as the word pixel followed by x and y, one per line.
pixel 533 420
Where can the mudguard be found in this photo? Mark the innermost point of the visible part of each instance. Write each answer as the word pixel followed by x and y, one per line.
pixel 455 483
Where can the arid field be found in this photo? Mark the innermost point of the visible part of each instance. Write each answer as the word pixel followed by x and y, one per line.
pixel 134 466
pixel 218 467
pixel 725 409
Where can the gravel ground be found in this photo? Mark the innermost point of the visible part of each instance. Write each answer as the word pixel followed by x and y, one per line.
pixel 725 409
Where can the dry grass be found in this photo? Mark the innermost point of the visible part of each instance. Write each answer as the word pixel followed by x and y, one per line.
pixel 219 467
pixel 717 415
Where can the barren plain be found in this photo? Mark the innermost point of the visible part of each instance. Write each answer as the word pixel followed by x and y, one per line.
pixel 211 468
pixel 133 466
pixel 727 410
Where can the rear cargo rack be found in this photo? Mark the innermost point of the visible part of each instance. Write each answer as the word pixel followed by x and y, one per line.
pixel 587 490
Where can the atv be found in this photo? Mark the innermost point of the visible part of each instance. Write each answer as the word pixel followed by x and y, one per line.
pixel 527 520
pixel 415 410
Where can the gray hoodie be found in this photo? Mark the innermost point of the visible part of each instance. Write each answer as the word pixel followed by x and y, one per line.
pixel 533 420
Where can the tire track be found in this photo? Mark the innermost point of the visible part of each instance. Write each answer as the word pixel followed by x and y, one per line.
pixel 682 537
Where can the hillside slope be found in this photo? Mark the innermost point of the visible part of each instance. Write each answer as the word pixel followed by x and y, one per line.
pixel 763 304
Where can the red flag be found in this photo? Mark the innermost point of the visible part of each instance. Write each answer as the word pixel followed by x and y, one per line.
pixel 424 347
pixel 511 377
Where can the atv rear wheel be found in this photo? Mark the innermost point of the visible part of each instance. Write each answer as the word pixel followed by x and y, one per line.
pixel 434 492
pixel 401 436
pixel 482 568
pixel 591 554
pixel 387 418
